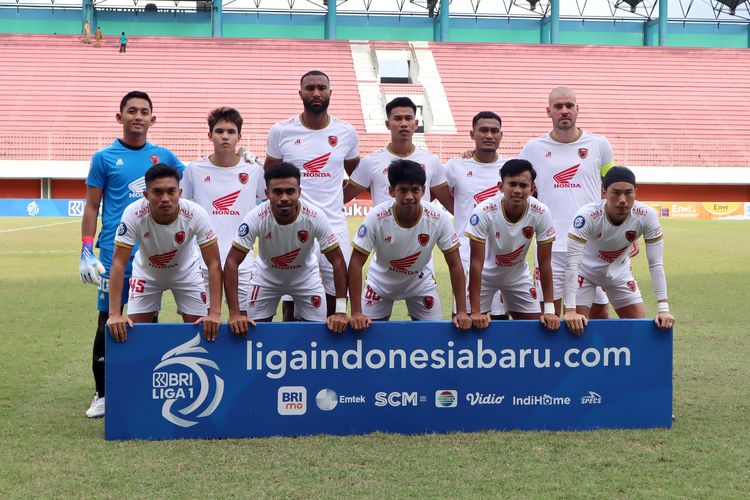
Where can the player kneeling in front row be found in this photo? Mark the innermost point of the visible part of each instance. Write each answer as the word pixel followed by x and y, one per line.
pixel 286 229
pixel 164 227
pixel 599 239
pixel 500 230
pixel 402 233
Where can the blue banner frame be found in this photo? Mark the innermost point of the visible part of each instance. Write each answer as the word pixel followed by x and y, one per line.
pixel 291 379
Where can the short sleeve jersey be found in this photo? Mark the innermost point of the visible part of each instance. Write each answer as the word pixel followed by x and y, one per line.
pixel 606 251
pixel 568 175
pixel 118 171
pixel 470 182
pixel 165 252
pixel 286 253
pixel 372 172
pixel 402 253
pixel 320 156
pixel 507 243
pixel 227 194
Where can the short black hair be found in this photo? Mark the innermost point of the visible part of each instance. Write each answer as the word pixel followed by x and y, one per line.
pixel 618 174
pixel 282 170
pixel 406 171
pixel 512 168
pixel 135 94
pixel 400 102
pixel 313 72
pixel 224 113
pixel 160 171
pixel 486 115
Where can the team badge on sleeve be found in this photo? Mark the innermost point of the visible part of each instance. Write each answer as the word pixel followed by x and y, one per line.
pixel 244 177
pixel 243 230
pixel 528 232
pixel 302 235
pixel 423 238
pixel 474 220
pixel 122 229
pixel 333 140
pixel 362 231
pixel 630 235
pixel 579 222
pixel 179 237
pixel 583 153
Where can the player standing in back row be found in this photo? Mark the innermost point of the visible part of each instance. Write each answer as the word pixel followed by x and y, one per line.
pixel 322 147
pixel 570 164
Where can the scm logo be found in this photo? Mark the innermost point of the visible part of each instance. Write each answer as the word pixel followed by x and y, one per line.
pixel 292 400
pixel 398 399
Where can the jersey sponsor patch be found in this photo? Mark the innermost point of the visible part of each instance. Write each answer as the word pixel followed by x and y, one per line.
pixel 122 229
pixel 243 230
pixel 579 222
pixel 284 261
pixel 362 231
pixel 474 220
pixel 403 264
pixel 563 178
pixel 161 261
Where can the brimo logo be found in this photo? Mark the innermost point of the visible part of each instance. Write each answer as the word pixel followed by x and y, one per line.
pixel 187 381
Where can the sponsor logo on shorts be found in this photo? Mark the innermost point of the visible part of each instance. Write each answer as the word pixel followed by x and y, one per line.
pixel 203 297
pixel 563 178
pixel 509 259
pixel 190 394
pixel 315 301
pixel 292 400
pixel 429 302
pixel 633 286
pixel 591 398
pixel 446 398
pixel 223 205
pixel 532 292
pixel 313 167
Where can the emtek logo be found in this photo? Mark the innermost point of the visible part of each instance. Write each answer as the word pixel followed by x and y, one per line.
pixel 192 385
pixel 137 187
pixel 398 399
pixel 563 178
pixel 292 400
pixel 313 167
pixel 446 398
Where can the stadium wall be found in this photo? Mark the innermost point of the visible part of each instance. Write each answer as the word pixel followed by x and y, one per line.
pixel 373 27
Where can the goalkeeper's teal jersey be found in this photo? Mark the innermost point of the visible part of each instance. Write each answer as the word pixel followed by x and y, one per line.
pixel 118 171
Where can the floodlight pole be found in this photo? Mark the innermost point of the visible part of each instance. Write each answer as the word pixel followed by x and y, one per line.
pixel 663 20
pixel 554 22
pixel 331 20
pixel 443 19
pixel 217 23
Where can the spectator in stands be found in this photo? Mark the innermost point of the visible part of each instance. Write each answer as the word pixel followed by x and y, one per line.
pixel 123 42
pixel 98 36
pixel 86 32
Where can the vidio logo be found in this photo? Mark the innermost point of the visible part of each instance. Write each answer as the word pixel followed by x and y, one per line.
pixel 180 377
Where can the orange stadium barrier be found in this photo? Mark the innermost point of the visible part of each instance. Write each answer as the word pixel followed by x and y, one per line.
pixel 700 211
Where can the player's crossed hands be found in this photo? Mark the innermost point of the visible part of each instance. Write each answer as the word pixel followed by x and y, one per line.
pixel 360 321
pixel 550 321
pixel 480 321
pixel 337 322
pixel 462 321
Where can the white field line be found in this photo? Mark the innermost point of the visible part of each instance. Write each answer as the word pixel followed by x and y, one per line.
pixel 14 230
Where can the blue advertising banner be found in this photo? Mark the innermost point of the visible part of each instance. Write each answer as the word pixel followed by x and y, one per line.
pixel 290 379
pixel 17 207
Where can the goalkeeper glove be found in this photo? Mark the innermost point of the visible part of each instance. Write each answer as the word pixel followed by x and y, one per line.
pixel 249 156
pixel 90 267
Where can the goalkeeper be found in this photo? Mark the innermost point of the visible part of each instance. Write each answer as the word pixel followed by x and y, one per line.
pixel 115 180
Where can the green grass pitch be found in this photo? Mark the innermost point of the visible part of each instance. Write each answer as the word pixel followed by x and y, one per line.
pixel 48 448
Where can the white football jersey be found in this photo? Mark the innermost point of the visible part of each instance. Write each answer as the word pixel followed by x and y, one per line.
pixel 165 252
pixel 568 175
pixel 227 194
pixel 401 253
pixel 470 182
pixel 372 172
pixel 507 243
pixel 607 247
pixel 286 253
pixel 320 156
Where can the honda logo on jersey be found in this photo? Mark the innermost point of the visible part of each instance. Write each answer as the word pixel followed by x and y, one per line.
pixel 302 236
pixel 244 177
pixel 223 205
pixel 333 140
pixel 179 237
pixel 487 193
pixel 313 167
pixel 284 261
pixel 611 255
pixel 583 153
pixel 509 259
pixel 423 238
pixel 563 178
pixel 403 264
pixel 161 261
